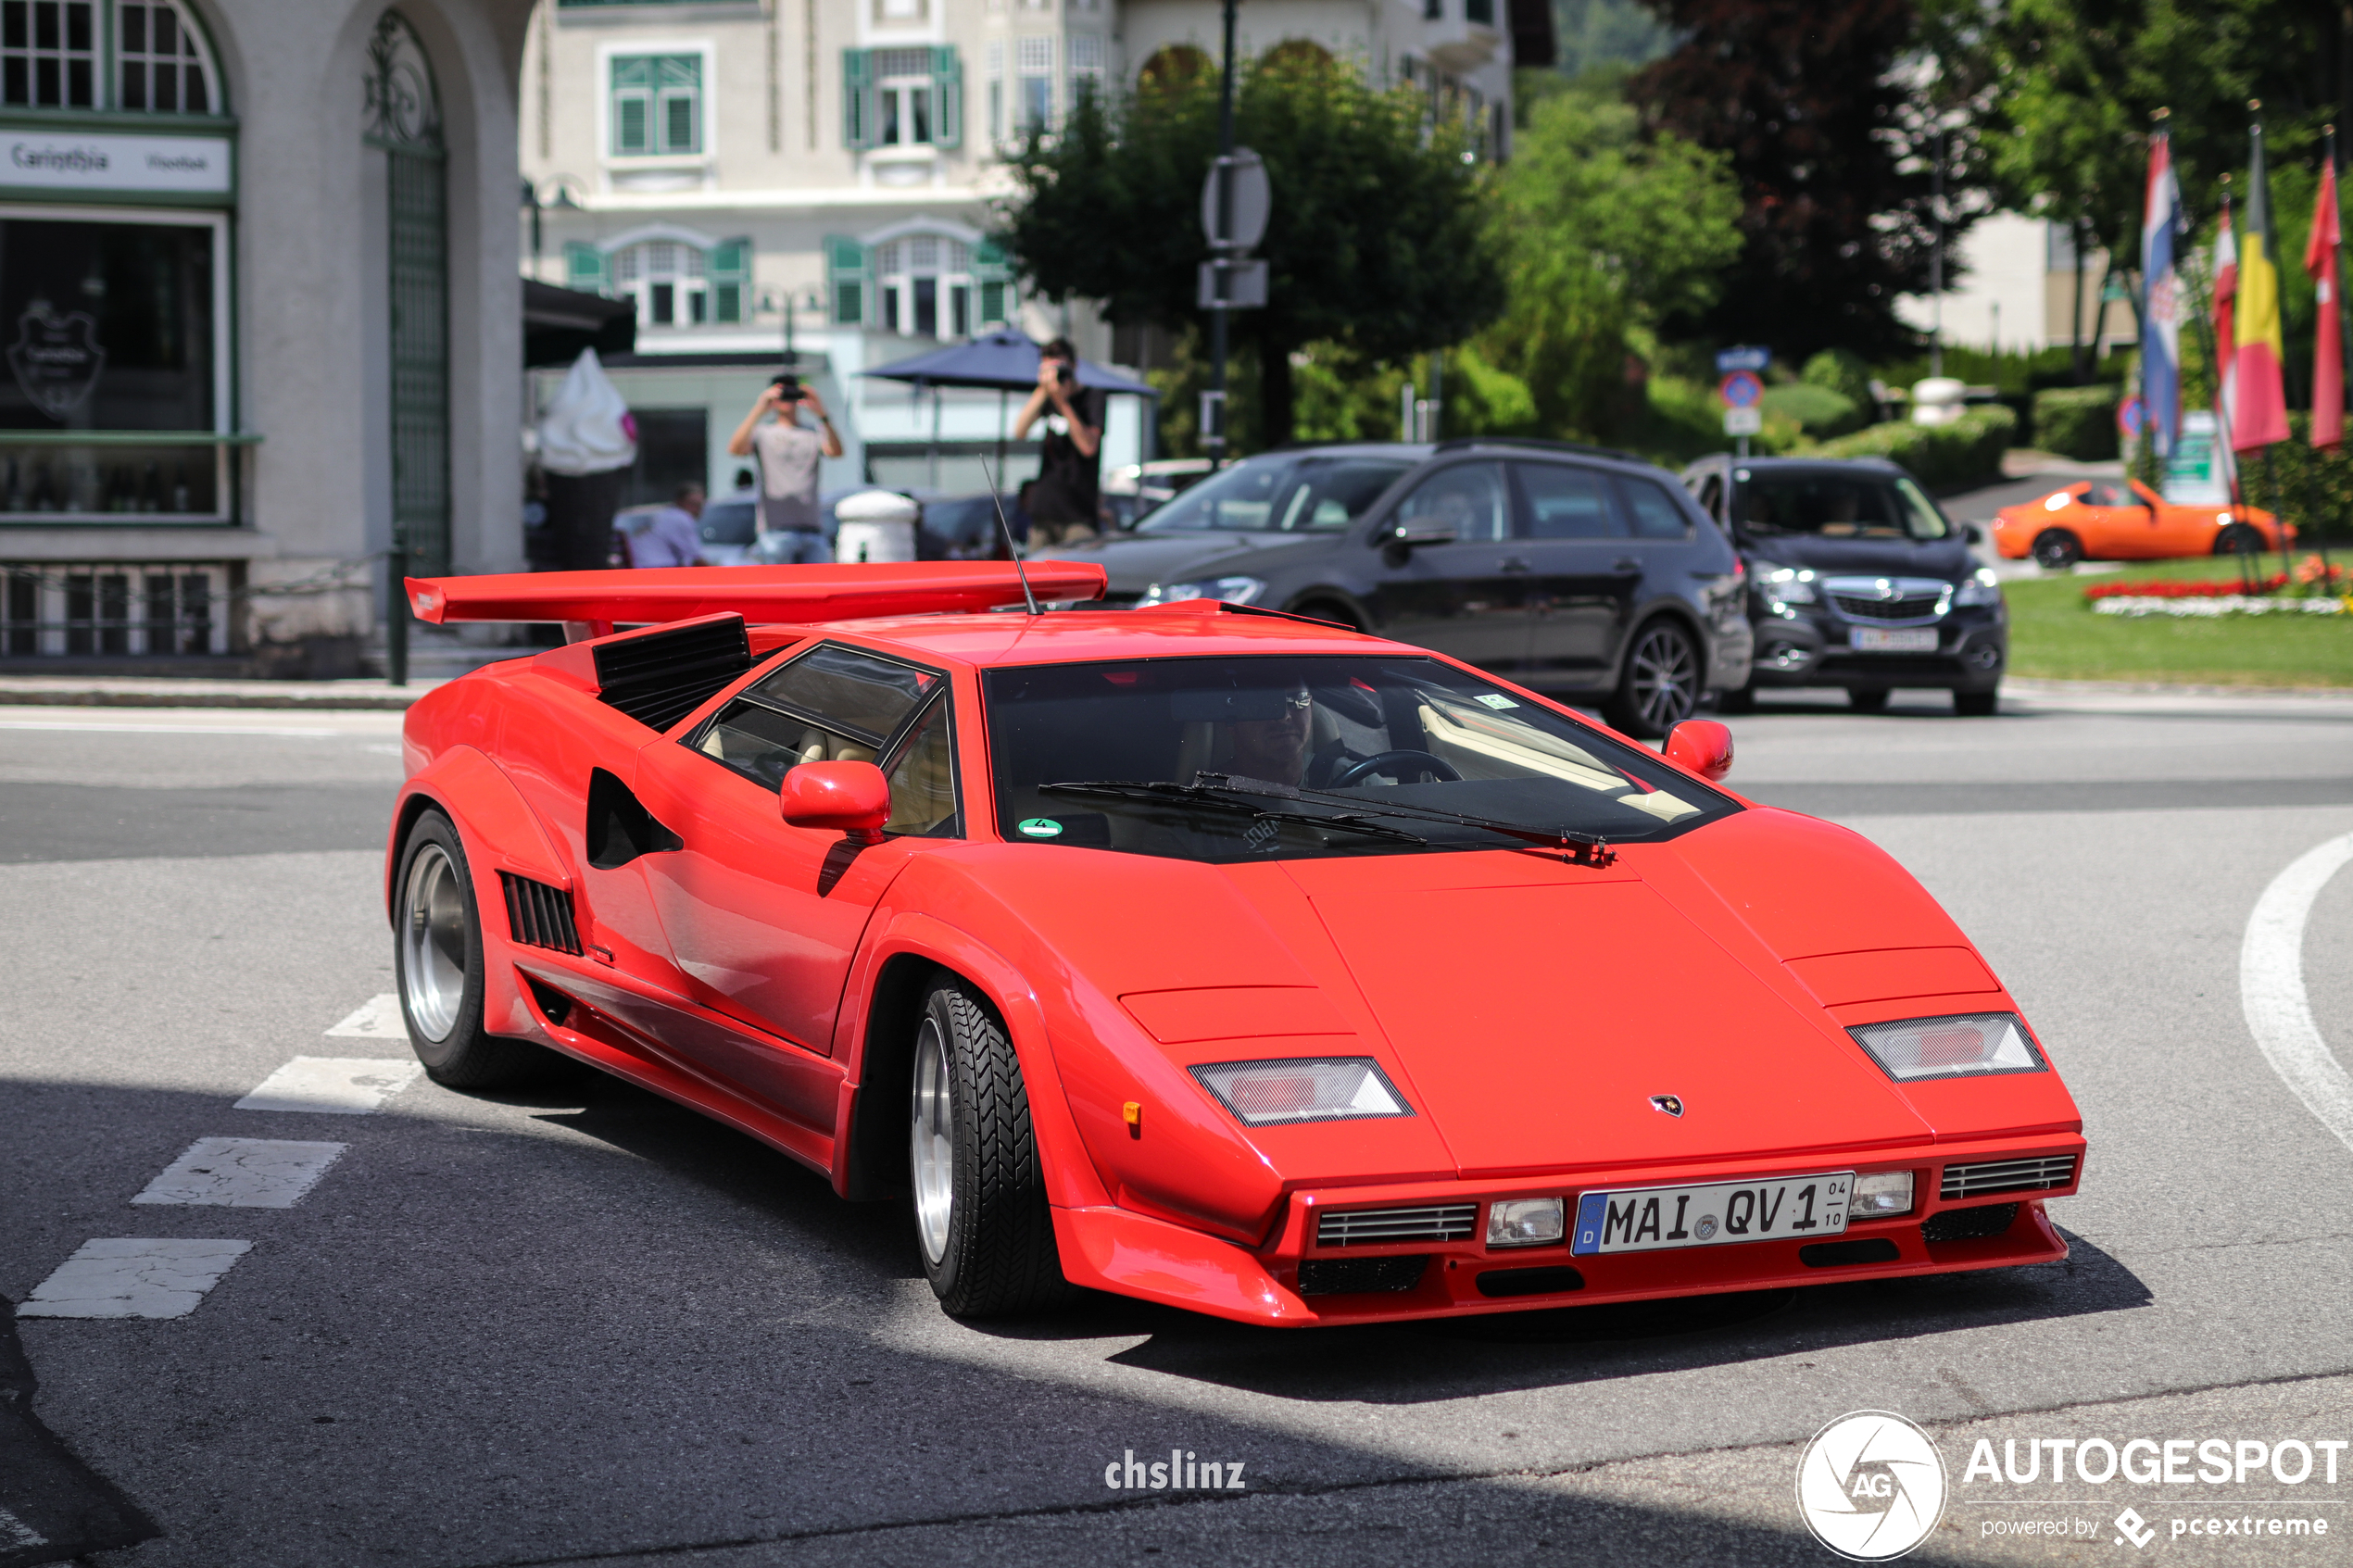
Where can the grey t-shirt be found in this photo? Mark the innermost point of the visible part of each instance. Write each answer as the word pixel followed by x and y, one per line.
pixel 788 455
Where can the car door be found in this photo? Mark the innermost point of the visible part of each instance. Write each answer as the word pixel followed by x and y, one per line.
pixel 2117 526
pixel 1583 569
pixel 1467 597
pixel 763 918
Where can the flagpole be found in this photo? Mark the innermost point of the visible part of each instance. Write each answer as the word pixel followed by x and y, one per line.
pixel 2210 338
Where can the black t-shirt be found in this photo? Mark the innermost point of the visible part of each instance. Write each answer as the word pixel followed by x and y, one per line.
pixel 1067 488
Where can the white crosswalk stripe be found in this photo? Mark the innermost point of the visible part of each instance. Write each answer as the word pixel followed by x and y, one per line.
pixel 333 1085
pixel 376 1019
pixel 132 1277
pixel 243 1172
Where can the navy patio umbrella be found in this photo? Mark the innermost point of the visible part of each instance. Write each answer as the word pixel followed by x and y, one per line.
pixel 1004 360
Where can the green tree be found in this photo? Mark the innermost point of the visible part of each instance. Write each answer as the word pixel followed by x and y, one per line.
pixel 1378 244
pixel 1605 234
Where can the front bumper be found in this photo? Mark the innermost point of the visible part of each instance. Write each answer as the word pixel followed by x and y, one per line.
pixel 1132 1254
pixel 1795 648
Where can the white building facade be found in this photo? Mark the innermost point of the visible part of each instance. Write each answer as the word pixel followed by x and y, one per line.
pixel 2021 289
pixel 754 174
pixel 258 290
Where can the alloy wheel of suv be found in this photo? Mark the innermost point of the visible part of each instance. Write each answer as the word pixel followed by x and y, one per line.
pixel 1660 687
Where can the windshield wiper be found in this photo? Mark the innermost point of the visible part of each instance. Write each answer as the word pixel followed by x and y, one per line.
pixel 1580 848
pixel 1216 800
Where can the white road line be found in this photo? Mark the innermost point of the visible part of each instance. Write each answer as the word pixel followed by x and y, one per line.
pixel 126 1277
pixel 376 1019
pixel 243 1172
pixel 2271 988
pixel 18 1536
pixel 335 1085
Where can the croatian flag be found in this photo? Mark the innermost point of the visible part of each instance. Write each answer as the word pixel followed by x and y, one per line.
pixel 2163 234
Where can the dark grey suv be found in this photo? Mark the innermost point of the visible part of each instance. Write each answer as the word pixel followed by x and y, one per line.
pixel 1856 579
pixel 1569 569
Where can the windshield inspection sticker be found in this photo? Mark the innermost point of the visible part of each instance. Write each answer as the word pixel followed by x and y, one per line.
pixel 1497 701
pixel 1041 827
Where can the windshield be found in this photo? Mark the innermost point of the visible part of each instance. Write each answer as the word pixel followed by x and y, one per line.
pixel 1375 731
pixel 1278 495
pixel 1839 505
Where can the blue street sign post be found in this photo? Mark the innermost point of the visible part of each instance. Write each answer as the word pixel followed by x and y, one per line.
pixel 1742 391
pixel 1730 359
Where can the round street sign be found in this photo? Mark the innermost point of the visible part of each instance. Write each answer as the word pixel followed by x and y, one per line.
pixel 1741 389
pixel 2131 415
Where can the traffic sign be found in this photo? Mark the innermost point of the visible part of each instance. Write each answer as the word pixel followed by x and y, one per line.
pixel 1741 389
pixel 2131 418
pixel 1249 200
pixel 1730 359
pixel 1231 284
pixel 1744 422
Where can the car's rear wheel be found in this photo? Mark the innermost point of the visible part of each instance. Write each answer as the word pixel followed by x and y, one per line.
pixel 1660 687
pixel 981 1221
pixel 436 960
pixel 1866 702
pixel 2055 549
pixel 2239 539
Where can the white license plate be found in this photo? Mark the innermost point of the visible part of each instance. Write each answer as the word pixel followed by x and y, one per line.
pixel 1871 639
pixel 1720 1215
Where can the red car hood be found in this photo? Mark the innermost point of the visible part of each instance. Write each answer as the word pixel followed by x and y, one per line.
pixel 1536 1015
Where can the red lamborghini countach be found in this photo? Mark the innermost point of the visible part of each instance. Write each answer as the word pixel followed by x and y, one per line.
pixel 1200 953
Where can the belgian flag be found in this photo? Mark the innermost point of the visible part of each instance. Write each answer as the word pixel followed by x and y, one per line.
pixel 2260 417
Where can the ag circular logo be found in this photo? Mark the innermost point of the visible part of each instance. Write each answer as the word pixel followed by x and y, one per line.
pixel 1871 1486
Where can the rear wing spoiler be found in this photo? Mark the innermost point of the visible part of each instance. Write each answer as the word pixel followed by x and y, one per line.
pixel 759 593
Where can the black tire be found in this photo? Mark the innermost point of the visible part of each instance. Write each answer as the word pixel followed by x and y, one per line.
pixel 1866 702
pixel 438 968
pixel 1737 701
pixel 2239 539
pixel 994 1243
pixel 1977 705
pixel 1659 687
pixel 2055 549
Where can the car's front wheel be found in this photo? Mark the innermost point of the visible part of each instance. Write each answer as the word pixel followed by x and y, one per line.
pixel 981 1218
pixel 1661 684
pixel 436 961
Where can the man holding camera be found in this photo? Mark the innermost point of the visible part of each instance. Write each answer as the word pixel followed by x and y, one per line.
pixel 792 526
pixel 1063 499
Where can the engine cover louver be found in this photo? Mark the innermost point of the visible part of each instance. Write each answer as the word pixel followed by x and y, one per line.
pixel 538 915
pixel 658 677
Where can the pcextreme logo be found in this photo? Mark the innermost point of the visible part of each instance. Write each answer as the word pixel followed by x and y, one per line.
pixel 1871 1486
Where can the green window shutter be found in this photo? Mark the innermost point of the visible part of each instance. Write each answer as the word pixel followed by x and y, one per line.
pixel 858 107
pixel 583 268
pixel 680 78
pixel 948 98
pixel 633 97
pixel 852 280
pixel 729 274
pixel 993 273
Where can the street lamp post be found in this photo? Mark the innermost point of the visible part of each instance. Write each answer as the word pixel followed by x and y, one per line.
pixel 1212 436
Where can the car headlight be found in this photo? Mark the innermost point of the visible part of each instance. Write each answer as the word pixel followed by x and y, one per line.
pixel 1322 1088
pixel 1233 590
pixel 1786 585
pixel 1984 588
pixel 1881 1192
pixel 1973 1044
pixel 1526 1222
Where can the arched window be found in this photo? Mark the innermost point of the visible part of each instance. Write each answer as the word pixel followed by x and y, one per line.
pixel 668 282
pixel 923 286
pixel 59 54
pixel 1177 65
pixel 1298 55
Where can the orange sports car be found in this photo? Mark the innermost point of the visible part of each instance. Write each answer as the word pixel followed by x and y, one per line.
pixel 2101 519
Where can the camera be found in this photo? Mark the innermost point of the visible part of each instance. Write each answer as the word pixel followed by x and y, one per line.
pixel 787 387
pixel 1063 373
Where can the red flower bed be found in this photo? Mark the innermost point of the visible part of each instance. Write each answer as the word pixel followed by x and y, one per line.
pixel 2182 590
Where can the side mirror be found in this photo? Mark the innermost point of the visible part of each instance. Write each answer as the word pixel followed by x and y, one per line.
pixel 1405 535
pixel 1702 745
pixel 852 796
pixel 1973 534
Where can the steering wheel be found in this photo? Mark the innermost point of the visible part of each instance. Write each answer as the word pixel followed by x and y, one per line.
pixel 1390 762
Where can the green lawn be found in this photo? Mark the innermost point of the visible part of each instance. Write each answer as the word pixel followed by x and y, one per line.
pixel 2055 635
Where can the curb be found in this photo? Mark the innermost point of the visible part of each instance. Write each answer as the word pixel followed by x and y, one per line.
pixel 66 691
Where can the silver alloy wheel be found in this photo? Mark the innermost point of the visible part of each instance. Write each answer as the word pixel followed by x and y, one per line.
pixel 433 943
pixel 1665 678
pixel 932 1142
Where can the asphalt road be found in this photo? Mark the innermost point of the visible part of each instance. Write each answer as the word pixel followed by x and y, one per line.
pixel 586 1326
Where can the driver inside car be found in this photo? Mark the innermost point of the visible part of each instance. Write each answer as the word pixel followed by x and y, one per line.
pixel 1275 748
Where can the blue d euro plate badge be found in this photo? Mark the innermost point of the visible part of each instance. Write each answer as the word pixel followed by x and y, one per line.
pixel 1041 827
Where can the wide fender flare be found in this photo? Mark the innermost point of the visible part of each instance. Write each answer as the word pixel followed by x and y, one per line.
pixel 1071 1178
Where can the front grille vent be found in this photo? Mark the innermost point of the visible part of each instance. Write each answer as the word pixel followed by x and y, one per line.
pixel 1360 1276
pixel 1888 609
pixel 538 915
pixel 1969 1224
pixel 660 676
pixel 1364 1227
pixel 2006 1176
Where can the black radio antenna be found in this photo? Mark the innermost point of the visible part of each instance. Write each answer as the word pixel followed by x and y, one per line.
pixel 1007 530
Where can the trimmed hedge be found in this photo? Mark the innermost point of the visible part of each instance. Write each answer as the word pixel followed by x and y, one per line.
pixel 1959 456
pixel 1820 411
pixel 2077 422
